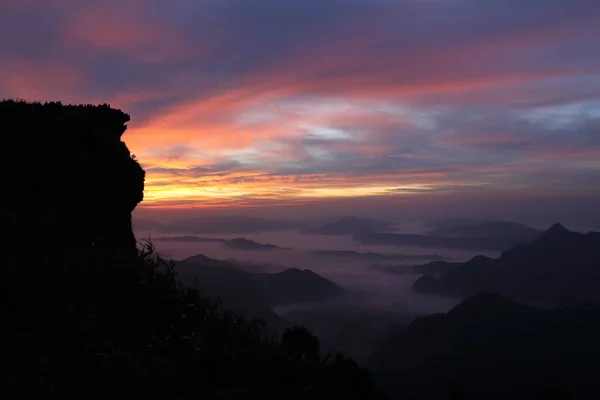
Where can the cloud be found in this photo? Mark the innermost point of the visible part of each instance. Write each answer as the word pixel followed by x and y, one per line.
pixel 237 103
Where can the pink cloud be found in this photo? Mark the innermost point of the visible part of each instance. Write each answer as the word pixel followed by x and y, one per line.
pixel 32 81
pixel 224 92
pixel 123 28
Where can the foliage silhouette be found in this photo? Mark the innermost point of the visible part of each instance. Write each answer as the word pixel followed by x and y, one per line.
pixel 114 327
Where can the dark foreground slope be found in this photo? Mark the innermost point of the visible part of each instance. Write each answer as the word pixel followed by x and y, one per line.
pixel 104 328
pixel 86 316
pixel 490 348
pixel 558 268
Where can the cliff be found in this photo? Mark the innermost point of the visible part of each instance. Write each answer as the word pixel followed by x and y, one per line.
pixel 67 175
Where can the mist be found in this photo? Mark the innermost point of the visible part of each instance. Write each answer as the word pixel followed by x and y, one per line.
pixel 377 289
pixel 374 300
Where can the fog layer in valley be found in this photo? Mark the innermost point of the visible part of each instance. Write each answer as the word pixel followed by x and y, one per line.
pixel 387 288
pixel 374 300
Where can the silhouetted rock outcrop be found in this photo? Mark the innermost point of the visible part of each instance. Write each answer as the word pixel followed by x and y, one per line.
pixel 68 175
pixel 560 267
pixel 493 348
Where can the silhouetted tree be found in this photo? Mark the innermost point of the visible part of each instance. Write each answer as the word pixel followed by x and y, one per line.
pixel 300 344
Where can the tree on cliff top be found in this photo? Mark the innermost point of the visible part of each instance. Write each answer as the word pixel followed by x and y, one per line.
pixel 80 321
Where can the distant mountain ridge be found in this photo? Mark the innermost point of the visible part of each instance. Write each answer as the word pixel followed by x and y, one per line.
pixel 201 259
pixel 559 267
pixel 446 223
pixel 371 256
pixel 488 229
pixel 351 225
pixel 189 239
pixel 247 244
pixel 443 242
pixel 237 243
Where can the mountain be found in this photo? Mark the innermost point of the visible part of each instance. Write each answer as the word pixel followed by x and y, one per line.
pixel 560 267
pixel 370 256
pixel 254 294
pixel 456 243
pixel 348 226
pixel 247 244
pixel 488 229
pixel 447 223
pixel 491 348
pixel 286 287
pixel 189 239
pixel 237 243
pixel 203 260
pixel 295 285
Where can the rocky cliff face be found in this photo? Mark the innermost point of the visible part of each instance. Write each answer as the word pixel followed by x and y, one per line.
pixel 66 175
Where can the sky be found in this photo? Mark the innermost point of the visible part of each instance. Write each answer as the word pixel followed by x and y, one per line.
pixel 465 105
